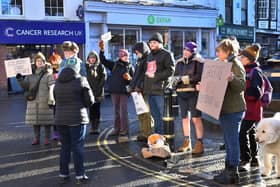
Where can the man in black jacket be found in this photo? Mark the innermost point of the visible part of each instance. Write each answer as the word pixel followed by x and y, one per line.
pixel 160 66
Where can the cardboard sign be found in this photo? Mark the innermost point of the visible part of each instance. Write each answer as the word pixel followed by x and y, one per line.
pixel 213 87
pixel 21 65
pixel 106 37
pixel 140 105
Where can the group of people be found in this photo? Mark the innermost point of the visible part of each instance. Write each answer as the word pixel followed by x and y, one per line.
pixel 71 86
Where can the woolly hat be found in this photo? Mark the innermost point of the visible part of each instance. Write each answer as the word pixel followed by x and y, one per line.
pixel 123 52
pixel 156 37
pixel 191 47
pixel 252 52
pixel 73 64
pixel 41 56
pixel 70 46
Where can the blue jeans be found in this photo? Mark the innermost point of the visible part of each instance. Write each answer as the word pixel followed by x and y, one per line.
pixel 72 140
pixel 156 103
pixel 230 123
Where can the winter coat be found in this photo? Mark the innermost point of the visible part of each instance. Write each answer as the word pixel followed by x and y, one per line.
pixel 164 69
pixel 253 93
pixel 234 100
pixel 116 83
pixel 73 95
pixel 96 77
pixel 38 111
pixel 192 67
pixel 137 82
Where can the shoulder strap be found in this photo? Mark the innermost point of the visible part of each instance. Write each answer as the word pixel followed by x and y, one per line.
pixel 42 73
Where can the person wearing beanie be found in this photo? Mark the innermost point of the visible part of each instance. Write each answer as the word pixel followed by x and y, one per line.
pixel 38 111
pixel 254 112
pixel 73 96
pixel 71 59
pixel 142 50
pixel 96 76
pixel 189 68
pixel 118 85
pixel 160 66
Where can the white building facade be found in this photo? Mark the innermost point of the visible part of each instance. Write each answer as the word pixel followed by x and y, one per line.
pixel 130 21
pixel 30 26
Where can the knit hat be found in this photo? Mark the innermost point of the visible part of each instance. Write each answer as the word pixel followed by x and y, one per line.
pixel 73 64
pixel 41 56
pixel 191 47
pixel 156 37
pixel 70 46
pixel 252 52
pixel 123 52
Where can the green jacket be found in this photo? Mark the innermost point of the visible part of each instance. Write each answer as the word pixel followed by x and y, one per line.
pixel 234 100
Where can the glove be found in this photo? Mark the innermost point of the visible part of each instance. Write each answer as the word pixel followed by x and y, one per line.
pixel 126 76
pixel 19 76
pixel 51 107
pixel 101 45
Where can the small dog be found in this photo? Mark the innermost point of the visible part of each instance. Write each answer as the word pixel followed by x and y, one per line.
pixel 268 136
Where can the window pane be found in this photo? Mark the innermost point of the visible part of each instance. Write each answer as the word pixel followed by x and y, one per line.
pixel 263 9
pixel 115 43
pixel 130 41
pixel 10 7
pixel 177 44
pixel 205 44
pixel 54 7
pixel 273 12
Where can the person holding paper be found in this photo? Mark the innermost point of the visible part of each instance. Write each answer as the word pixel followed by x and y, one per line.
pixel 39 111
pixel 232 111
pixel 121 75
pixel 189 69
pixel 160 66
pixel 141 49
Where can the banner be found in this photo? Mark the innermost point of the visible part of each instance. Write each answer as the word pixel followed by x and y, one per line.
pixel 213 87
pixel 21 65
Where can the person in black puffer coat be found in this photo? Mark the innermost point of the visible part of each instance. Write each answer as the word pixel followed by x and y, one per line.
pixel 96 76
pixel 73 95
pixel 121 75
pixel 141 49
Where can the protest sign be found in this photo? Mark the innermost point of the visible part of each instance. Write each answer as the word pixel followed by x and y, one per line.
pixel 21 65
pixel 140 105
pixel 106 37
pixel 213 87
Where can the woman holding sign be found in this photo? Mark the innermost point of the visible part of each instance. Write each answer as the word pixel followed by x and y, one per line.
pixel 232 111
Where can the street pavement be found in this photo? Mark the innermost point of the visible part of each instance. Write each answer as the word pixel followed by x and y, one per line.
pixel 107 161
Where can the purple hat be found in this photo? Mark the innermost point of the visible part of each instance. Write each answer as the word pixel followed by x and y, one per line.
pixel 123 52
pixel 191 46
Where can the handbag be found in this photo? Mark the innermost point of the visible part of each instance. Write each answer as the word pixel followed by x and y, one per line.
pixel 30 95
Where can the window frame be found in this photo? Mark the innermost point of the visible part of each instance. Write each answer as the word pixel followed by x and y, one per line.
pixel 56 7
pixel 13 15
pixel 259 8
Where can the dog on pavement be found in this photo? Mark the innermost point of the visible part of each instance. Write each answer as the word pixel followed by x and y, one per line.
pixel 268 136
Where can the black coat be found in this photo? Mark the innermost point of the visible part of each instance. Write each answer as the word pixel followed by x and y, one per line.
pixel 72 95
pixel 116 82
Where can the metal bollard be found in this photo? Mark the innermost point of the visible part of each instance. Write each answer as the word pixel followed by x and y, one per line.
pixel 175 104
pixel 168 119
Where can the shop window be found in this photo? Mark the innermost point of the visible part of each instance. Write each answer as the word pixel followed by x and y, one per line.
pixel 205 41
pixel 177 44
pixel 54 8
pixel 11 7
pixel 244 9
pixel 228 11
pixel 123 39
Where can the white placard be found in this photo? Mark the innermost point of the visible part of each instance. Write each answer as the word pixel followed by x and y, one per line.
pixel 21 65
pixel 106 37
pixel 140 105
pixel 213 87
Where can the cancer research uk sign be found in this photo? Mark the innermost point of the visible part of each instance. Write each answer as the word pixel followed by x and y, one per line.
pixel 213 87
pixel 41 32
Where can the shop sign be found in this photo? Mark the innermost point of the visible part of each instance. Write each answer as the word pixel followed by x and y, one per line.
pixel 41 32
pixel 151 19
pixel 241 32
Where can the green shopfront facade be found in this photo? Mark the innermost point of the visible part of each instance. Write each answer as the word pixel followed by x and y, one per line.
pixel 130 23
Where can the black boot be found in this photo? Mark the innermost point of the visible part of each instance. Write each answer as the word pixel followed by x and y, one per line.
pixel 94 126
pixel 229 176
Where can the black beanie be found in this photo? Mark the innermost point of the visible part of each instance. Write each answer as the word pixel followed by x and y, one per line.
pixel 156 37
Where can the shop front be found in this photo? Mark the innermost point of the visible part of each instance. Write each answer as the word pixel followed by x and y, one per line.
pixel 129 23
pixel 25 38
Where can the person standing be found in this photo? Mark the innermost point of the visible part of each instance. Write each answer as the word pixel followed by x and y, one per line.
pixel 73 96
pixel 254 112
pixel 189 68
pixel 121 75
pixel 39 111
pixel 142 50
pixel 232 111
pixel 160 66
pixel 96 76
